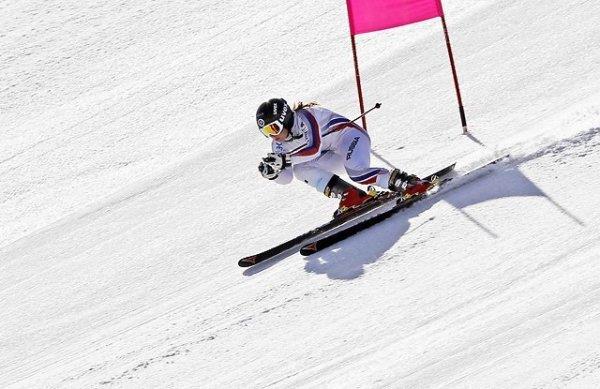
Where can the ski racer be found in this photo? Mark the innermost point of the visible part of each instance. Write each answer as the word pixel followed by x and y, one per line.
pixel 314 145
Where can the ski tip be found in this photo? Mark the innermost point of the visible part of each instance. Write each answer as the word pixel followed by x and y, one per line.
pixel 309 249
pixel 247 261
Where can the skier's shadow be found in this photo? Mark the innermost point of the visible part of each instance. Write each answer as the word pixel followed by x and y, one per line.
pixel 347 259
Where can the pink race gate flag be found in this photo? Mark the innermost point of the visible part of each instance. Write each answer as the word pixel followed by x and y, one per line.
pixel 374 15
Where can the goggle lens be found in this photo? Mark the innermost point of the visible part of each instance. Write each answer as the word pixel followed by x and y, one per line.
pixel 272 129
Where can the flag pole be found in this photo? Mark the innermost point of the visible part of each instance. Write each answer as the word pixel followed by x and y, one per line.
pixel 461 109
pixel 357 73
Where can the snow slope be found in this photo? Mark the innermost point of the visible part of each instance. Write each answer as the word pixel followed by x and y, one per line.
pixel 129 190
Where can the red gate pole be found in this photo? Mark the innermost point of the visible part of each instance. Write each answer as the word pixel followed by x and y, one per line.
pixel 360 96
pixel 461 109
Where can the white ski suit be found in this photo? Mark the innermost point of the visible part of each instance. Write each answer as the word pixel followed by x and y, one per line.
pixel 325 143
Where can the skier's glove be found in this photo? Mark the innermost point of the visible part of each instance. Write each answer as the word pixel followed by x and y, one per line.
pixel 272 165
pixel 267 171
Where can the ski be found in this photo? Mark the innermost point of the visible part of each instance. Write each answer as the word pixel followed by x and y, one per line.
pixel 342 234
pixel 344 221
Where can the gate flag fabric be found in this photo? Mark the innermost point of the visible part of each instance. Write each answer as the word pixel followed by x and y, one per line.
pixel 374 15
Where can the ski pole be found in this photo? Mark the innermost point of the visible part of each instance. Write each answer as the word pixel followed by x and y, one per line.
pixel 383 159
pixel 377 105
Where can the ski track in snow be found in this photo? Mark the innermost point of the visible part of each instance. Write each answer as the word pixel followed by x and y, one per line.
pixel 128 190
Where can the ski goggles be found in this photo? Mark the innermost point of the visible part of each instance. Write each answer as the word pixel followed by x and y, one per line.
pixel 272 129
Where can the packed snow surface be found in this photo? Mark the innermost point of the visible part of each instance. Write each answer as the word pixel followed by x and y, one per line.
pixel 129 190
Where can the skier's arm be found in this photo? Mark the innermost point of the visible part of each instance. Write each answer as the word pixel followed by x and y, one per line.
pixel 312 122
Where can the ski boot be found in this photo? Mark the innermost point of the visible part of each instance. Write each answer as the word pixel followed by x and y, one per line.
pixel 350 196
pixel 408 185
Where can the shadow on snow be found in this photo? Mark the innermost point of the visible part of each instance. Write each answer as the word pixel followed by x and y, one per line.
pixel 346 260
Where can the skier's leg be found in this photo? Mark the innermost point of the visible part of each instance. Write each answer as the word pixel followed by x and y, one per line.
pixel 319 175
pixel 355 148
pixel 358 166
pixel 312 175
pixel 318 172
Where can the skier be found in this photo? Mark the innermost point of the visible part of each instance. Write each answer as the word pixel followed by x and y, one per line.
pixel 312 143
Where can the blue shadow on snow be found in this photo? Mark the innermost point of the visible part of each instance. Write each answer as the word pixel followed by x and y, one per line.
pixel 346 260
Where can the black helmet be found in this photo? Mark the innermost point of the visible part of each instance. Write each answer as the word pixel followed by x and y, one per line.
pixel 275 110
